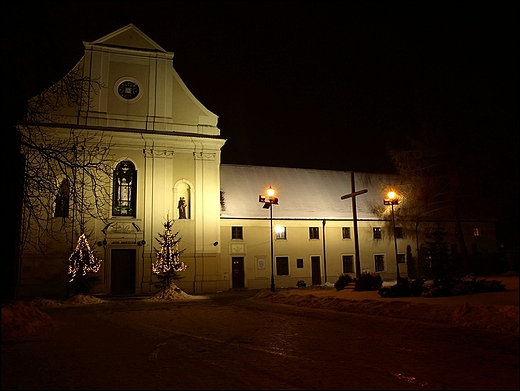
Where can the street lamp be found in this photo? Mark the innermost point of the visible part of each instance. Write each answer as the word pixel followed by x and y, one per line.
pixel 393 200
pixel 269 201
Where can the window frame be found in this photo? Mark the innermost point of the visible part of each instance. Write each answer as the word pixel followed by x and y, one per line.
pixel 62 200
pixel 347 259
pixel 379 259
pixel 131 204
pixel 377 233
pixel 345 233
pixel 282 265
pixel 280 235
pixel 314 233
pixel 237 232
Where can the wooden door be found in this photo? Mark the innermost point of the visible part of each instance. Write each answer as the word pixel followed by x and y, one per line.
pixel 122 271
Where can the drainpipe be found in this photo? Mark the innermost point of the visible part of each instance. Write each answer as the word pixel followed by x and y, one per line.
pixel 324 253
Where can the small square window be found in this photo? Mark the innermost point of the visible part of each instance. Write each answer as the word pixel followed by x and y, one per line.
pixel 377 232
pixel 314 233
pixel 280 232
pixel 401 258
pixel 237 233
pixel 345 232
pixel 299 263
pixel 399 232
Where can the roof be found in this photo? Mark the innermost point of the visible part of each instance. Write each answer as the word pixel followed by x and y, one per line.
pixel 302 193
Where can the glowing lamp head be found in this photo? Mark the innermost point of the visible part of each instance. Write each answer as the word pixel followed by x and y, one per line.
pixel 392 195
pixel 270 192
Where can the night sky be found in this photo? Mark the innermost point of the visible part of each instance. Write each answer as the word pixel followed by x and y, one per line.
pixel 328 85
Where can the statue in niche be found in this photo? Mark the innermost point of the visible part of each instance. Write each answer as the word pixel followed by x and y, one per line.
pixel 182 208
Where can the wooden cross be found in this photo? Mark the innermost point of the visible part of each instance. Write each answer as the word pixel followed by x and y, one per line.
pixel 354 216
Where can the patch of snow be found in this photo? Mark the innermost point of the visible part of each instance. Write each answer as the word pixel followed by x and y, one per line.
pixel 174 293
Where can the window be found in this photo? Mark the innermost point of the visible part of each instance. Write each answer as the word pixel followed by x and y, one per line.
pixel 401 258
pixel 237 233
pixel 299 263
pixel 377 232
pixel 282 266
pixel 348 263
pixel 379 263
pixel 280 232
pixel 314 233
pixel 124 190
pixel 62 200
pixel 399 232
pixel 346 232
pixel 476 232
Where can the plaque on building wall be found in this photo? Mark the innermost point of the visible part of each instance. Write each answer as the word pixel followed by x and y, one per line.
pixel 237 248
pixel 261 263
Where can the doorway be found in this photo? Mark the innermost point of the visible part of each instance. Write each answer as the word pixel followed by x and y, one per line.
pixel 316 270
pixel 238 277
pixel 122 271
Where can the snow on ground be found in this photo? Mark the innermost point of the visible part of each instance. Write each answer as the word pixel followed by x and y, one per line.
pixel 502 318
pixel 174 293
pixel 21 318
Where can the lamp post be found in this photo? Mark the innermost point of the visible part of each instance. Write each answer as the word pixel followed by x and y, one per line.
pixel 393 200
pixel 269 201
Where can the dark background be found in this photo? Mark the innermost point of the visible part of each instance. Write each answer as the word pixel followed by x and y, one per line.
pixel 325 85
pixel 305 84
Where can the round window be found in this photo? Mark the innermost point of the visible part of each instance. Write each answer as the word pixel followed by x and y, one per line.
pixel 128 90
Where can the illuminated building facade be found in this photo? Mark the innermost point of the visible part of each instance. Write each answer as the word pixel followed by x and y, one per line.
pixel 166 148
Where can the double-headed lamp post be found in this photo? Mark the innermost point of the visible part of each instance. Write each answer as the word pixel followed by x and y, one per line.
pixel 393 200
pixel 269 201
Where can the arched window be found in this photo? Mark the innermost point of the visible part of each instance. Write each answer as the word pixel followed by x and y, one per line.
pixel 62 200
pixel 124 190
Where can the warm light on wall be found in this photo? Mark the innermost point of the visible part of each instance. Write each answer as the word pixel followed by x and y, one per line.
pixel 279 229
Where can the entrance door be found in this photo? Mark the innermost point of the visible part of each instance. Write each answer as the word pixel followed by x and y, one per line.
pixel 122 271
pixel 316 271
pixel 238 272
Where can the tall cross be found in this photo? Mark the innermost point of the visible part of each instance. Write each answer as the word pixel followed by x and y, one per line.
pixel 354 216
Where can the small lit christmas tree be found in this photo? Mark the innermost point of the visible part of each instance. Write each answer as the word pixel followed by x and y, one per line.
pixel 168 262
pixel 81 262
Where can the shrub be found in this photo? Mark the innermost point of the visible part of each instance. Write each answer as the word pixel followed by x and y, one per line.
pixel 343 281
pixel 368 282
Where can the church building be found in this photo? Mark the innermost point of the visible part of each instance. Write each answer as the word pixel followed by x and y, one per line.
pixel 165 161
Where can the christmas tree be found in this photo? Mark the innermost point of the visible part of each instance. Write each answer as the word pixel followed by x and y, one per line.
pixel 81 262
pixel 168 262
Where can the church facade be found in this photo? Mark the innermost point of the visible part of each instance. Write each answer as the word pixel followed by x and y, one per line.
pixel 166 164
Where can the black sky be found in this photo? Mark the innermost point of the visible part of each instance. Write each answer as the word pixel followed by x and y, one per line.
pixel 308 84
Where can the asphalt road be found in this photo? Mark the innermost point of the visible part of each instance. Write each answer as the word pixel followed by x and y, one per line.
pixel 230 342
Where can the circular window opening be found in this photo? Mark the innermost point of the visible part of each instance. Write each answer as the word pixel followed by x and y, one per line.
pixel 128 90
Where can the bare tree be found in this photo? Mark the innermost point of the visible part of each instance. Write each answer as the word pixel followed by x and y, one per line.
pixel 67 168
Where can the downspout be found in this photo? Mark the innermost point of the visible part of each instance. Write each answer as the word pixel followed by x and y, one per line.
pixel 324 253
pixel 150 284
pixel 144 218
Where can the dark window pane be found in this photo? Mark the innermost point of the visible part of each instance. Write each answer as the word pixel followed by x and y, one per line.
pixel 236 233
pixel 282 266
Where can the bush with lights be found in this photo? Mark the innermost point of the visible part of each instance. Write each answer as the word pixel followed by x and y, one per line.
pixel 168 262
pixel 81 262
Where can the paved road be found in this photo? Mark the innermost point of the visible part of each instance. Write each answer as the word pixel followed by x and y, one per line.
pixel 229 342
